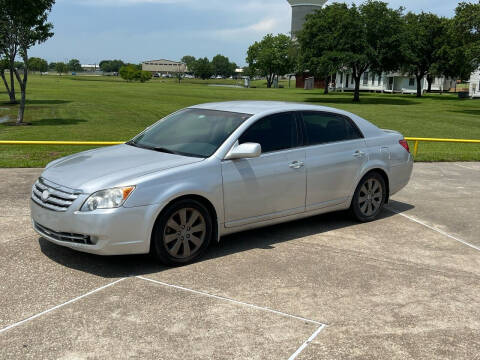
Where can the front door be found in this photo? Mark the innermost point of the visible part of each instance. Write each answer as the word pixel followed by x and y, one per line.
pixel 271 185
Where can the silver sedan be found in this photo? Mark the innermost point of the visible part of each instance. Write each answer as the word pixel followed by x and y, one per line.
pixel 214 169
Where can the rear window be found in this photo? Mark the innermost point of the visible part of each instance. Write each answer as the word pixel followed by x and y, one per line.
pixel 323 128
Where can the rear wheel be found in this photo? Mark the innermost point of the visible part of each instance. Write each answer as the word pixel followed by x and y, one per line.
pixel 182 233
pixel 369 197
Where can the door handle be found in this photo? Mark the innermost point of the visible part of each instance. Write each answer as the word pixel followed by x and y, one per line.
pixel 296 164
pixel 358 154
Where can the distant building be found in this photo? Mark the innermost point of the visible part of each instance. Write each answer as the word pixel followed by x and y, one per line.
pixel 90 67
pixel 391 83
pixel 300 9
pixel 474 86
pixel 163 66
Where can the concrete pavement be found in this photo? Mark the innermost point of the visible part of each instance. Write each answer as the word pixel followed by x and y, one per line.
pixel 406 286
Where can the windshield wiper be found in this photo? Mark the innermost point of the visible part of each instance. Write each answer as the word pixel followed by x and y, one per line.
pixel 162 149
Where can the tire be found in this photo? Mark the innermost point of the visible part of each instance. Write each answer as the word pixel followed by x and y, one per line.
pixel 369 197
pixel 182 233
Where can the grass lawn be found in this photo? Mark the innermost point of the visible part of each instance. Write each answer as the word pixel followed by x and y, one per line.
pixel 109 109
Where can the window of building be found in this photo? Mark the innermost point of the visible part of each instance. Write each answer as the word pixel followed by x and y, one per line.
pixel 365 78
pixel 327 127
pixel 273 133
pixel 373 79
pixel 411 82
pixel 379 80
pixel 341 78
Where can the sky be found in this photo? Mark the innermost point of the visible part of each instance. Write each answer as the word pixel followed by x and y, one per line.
pixel 140 30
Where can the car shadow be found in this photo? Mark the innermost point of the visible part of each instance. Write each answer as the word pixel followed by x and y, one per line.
pixel 262 238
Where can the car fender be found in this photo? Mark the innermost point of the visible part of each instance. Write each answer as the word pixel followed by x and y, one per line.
pixel 367 167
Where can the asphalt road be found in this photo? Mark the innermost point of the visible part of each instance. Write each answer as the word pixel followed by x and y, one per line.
pixel 404 287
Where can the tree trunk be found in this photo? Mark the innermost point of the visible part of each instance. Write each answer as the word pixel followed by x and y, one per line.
pixel 23 89
pixel 419 85
pixel 356 93
pixel 327 78
pixel 269 81
pixel 11 93
pixel 430 81
pixel 2 74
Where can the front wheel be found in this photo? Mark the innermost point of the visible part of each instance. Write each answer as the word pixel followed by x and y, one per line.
pixel 369 197
pixel 182 233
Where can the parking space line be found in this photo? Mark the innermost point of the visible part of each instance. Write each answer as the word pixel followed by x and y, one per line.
pixel 233 301
pixel 435 229
pixel 308 341
pixel 59 306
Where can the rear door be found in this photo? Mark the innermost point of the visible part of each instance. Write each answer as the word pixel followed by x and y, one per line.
pixel 271 185
pixel 335 155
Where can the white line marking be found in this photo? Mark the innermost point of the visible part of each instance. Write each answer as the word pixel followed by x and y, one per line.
pixel 435 229
pixel 231 300
pixel 59 306
pixel 305 344
pixel 465 167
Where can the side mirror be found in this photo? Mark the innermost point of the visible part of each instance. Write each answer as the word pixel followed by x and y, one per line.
pixel 244 151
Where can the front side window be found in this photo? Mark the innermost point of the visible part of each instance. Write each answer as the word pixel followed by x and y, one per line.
pixel 411 82
pixel 190 132
pixel 326 127
pixel 273 133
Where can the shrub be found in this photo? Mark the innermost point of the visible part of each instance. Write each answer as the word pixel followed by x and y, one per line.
pixel 131 73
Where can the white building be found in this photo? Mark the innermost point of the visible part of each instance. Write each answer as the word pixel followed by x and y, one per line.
pixel 90 67
pixel 390 82
pixel 474 87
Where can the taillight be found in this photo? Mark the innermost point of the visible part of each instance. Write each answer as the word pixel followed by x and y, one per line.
pixel 404 143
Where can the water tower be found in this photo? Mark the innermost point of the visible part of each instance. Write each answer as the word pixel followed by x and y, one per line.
pixel 300 9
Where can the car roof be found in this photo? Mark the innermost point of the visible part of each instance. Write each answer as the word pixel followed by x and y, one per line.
pixel 259 107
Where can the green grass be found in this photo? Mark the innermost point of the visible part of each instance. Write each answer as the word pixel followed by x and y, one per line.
pixel 107 108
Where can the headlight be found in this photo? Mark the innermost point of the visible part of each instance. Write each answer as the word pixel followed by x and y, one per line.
pixel 107 199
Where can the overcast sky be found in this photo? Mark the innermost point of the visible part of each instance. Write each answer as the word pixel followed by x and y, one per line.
pixel 138 30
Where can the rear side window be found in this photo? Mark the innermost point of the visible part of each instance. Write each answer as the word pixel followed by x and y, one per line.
pixel 273 133
pixel 326 127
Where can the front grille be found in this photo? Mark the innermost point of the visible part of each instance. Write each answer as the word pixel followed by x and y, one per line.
pixel 63 236
pixel 53 196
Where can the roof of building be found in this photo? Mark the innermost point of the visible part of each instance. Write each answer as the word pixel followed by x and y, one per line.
pixel 162 61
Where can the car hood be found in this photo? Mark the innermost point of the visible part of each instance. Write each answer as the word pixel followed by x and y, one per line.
pixel 112 166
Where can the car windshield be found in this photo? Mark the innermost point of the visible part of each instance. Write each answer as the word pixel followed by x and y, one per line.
pixel 190 132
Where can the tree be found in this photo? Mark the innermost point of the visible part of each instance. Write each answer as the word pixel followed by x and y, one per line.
pixel 130 73
pixel 9 48
pixel 61 67
pixel 354 38
pixel 4 65
pixel 203 68
pixel 189 61
pixel 74 65
pixel 111 65
pixel 23 24
pixel 222 66
pixel 423 39
pixel 465 40
pixel 271 57
pixel 37 64
pixel 52 66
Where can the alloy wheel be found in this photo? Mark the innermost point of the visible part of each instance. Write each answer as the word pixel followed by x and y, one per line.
pixel 370 197
pixel 184 233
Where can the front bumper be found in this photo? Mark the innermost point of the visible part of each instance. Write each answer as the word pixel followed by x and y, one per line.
pixel 117 231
